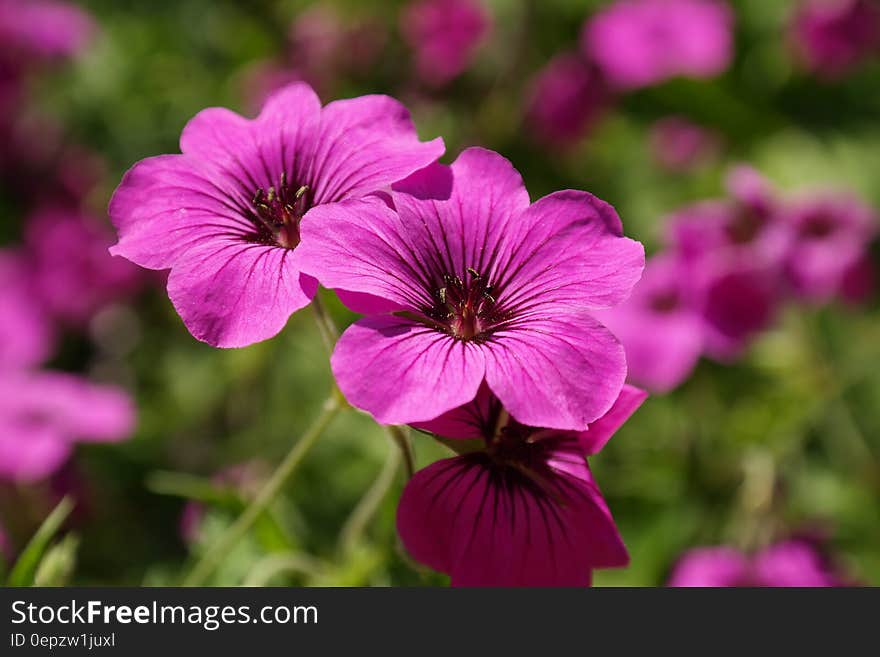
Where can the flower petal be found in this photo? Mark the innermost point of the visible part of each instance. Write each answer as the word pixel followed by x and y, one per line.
pixel 365 144
pixel 475 419
pixel 491 526
pixel 403 372
pixel 363 246
pixel 30 453
pixel 167 204
pixel 568 250
pixel 463 218
pixel 557 373
pixel 594 439
pixel 710 566
pixel 253 154
pixel 231 293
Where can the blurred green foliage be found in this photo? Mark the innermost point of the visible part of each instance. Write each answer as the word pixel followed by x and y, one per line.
pixel 785 439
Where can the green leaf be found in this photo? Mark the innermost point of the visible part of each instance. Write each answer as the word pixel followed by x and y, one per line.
pixel 24 571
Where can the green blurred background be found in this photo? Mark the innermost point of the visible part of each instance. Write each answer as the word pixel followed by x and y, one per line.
pixel 786 439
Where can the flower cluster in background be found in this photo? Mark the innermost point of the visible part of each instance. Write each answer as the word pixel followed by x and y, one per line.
pixel 728 267
pixel 480 343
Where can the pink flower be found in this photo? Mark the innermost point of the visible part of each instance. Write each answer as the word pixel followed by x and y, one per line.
pixel 830 235
pixel 26 332
pixel 659 325
pixel 733 252
pixel 43 28
pixel 42 415
pixel 680 145
pixel 72 272
pixel 467 281
pixel 565 99
pixel 834 36
pixel 638 43
pixel 445 35
pixel 521 508
pixel 790 563
pixel 225 216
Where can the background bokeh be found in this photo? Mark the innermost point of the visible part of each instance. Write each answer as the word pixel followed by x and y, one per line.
pixel 785 440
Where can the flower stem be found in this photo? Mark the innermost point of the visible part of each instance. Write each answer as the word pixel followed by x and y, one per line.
pixel 209 562
pixel 326 326
pixel 368 505
pixel 401 439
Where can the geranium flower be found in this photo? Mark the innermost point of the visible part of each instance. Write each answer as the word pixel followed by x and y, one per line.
pixel 43 414
pixel 225 215
pixel 43 28
pixel 793 562
pixel 567 96
pixel 444 35
pixel 834 36
pixel 638 43
pixel 26 331
pixel 466 281
pixel 830 236
pixel 521 509
pixel 732 252
pixel 659 325
pixel 680 145
pixel 72 272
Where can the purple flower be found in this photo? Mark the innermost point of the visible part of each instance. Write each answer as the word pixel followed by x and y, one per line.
pixel 73 274
pixel 679 145
pixel 445 35
pixel 732 251
pixel 834 36
pixel 43 28
pixel 566 98
pixel 467 281
pixel 225 216
pixel 830 235
pixel 638 43
pixel 793 562
pixel 42 415
pixel 26 331
pixel 659 326
pixel 520 506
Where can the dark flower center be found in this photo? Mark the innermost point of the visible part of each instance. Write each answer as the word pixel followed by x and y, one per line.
pixel 465 307
pixel 664 301
pixel 744 227
pixel 817 227
pixel 277 213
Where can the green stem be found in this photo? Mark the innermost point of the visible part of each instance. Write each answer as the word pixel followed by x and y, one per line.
pixel 326 326
pixel 400 438
pixel 208 563
pixel 279 564
pixel 368 505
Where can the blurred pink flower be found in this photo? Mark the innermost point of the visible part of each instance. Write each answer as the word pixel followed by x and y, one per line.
pixel 659 326
pixel 566 97
pixel 445 35
pixel 225 215
pixel 834 36
pixel 638 43
pixel 830 235
pixel 522 509
pixel 43 28
pixel 732 251
pixel 73 273
pixel 793 562
pixel 43 414
pixel 468 281
pixel 26 331
pixel 678 144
